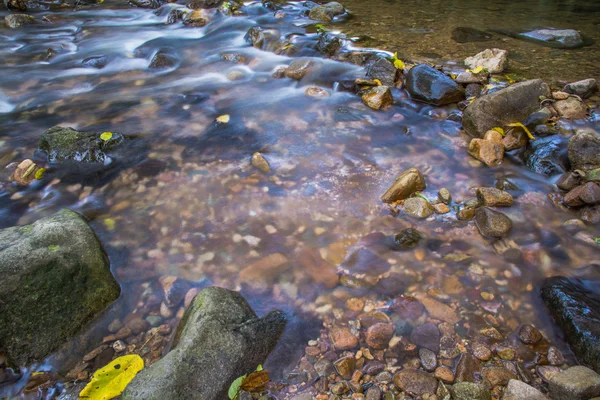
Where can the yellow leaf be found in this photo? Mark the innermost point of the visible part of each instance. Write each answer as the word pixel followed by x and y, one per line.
pixel 109 223
pixel 110 381
pixel 106 136
pixel 399 64
pixel 520 125
pixel 378 82
pixel 223 119
pixel 39 174
pixel 499 130
pixel 476 70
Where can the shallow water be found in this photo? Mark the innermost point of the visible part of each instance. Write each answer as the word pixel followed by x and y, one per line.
pixel 184 200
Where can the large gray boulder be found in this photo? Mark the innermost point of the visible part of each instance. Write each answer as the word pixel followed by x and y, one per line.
pixel 512 104
pixel 54 278
pixel 218 340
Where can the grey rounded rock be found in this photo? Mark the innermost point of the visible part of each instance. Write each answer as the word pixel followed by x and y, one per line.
pixel 492 223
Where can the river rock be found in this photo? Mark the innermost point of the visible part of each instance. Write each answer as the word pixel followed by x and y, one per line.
pixel 426 336
pixel 418 207
pixel 517 390
pixel 512 104
pixel 218 340
pixel 470 391
pixel 162 60
pixel 18 20
pixel 492 223
pixel 298 68
pixel 378 97
pixel 16 5
pixel 546 156
pixel 145 3
pixel 259 162
pixel 326 12
pixel 571 108
pixel 586 194
pixel 489 152
pixel 427 84
pixel 382 69
pixel 38 310
pixel 584 150
pixel 198 4
pixel 463 34
pixel 328 44
pixel 583 89
pixel 575 383
pixel 493 60
pixel 492 197
pixel 415 382
pixel 561 38
pixel 409 182
pixel 61 144
pixel 261 38
pixel 575 306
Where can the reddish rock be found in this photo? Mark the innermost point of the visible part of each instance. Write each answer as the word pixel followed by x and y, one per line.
pixel 444 374
pixel 489 152
pixel 415 383
pixel 378 336
pixel 498 375
pixel 342 338
pixel 440 311
pixel 320 270
pixel 588 193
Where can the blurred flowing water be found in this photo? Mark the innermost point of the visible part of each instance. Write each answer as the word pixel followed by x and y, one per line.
pixel 185 200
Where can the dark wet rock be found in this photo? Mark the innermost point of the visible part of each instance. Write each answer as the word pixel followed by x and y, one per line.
pixel 199 4
pixel 298 68
pixel 38 310
pixel 586 194
pixel 194 19
pixel 504 183
pixel 546 156
pixel 256 37
pixel 18 20
pixel 16 5
pixel 560 38
pixel 583 89
pixel 365 261
pixel 492 197
pixel 409 182
pixel 492 223
pixel 575 383
pixel 428 359
pixel 373 367
pixel 174 16
pixel 218 339
pixel 512 104
pixel 383 70
pixel 555 357
pixel 584 150
pixel 473 90
pixel 517 390
pixel 427 84
pixel 326 12
pixel 418 207
pixel 463 34
pixel 575 306
pixel 407 239
pixel 569 181
pixel 379 335
pixel 162 60
pixel 61 144
pixel 324 367
pixel 328 44
pixel 145 3
pixel 426 336
pixel 590 215
pixel 378 97
pixel 493 61
pixel 571 108
pixel 415 382
pixel 470 391
pixel 468 368
pixel 97 62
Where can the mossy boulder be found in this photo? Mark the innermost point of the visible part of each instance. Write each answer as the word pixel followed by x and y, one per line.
pixel 54 278
pixel 218 340
pixel 62 144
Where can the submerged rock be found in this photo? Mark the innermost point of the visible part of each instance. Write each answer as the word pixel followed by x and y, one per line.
pixel 415 382
pixel 18 20
pixel 418 207
pixel 161 60
pixel 218 340
pixel 16 5
pixel 561 38
pixel 298 68
pixel 490 196
pixel 260 162
pixel 54 278
pixel 492 60
pixel 409 182
pixel 62 144
pixel 512 104
pixel 546 155
pixel 492 223
pixel 199 4
pixel 575 306
pixel 583 89
pixel 463 34
pixel 145 3
pixel 328 44
pixel 584 150
pixel 378 97
pixel 429 85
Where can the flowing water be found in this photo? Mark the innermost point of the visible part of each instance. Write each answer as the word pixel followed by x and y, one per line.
pixel 183 199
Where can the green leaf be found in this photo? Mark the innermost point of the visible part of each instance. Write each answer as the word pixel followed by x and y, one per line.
pixel 234 389
pixel 398 63
pixel 597 240
pixel 110 381
pixel 259 368
pixel 39 174
pixel 106 136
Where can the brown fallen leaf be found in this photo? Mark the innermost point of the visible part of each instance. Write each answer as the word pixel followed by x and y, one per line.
pixel 256 381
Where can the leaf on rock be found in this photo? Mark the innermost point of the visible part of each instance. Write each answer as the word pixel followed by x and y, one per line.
pixel 106 136
pixel 520 125
pixel 110 381
pixel 398 63
pixel 499 130
pixel 256 381
pixel 234 389
pixel 223 119
pixel 476 70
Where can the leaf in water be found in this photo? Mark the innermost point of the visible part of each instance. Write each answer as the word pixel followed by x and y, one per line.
pixel 499 130
pixel 109 223
pixel 520 125
pixel 256 382
pixel 476 70
pixel 106 136
pixel 223 119
pixel 110 381
pixel 234 389
pixel 597 240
